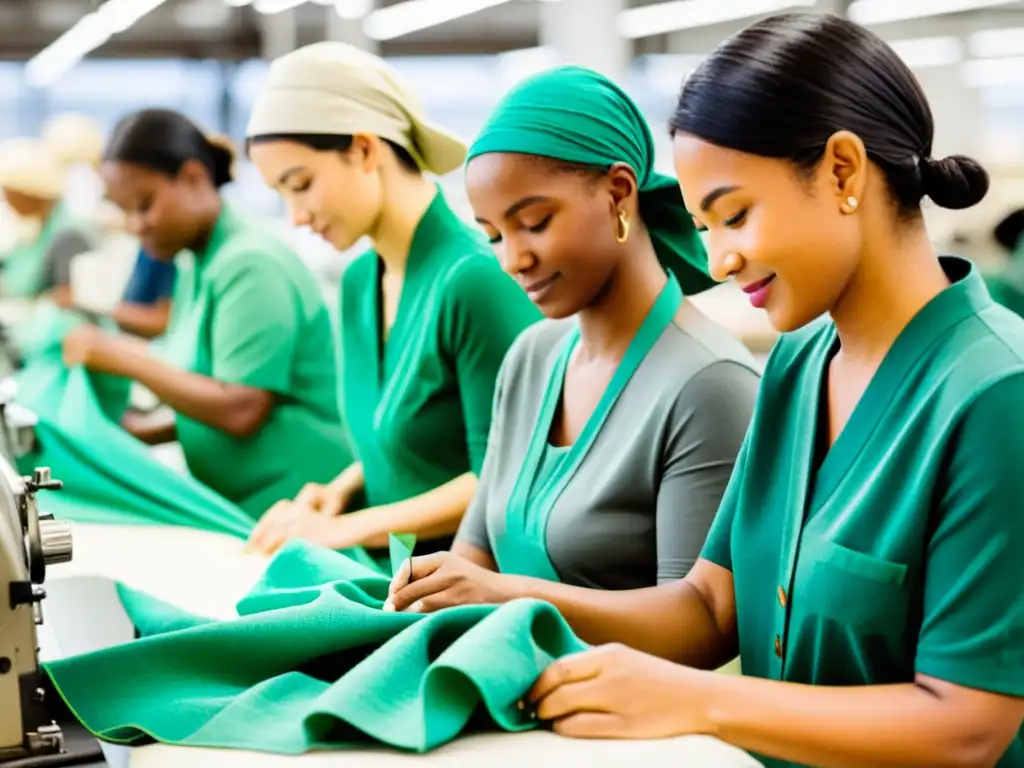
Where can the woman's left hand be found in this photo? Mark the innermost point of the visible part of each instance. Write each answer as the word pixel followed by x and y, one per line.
pixel 89 346
pixel 443 580
pixel 615 692
pixel 289 520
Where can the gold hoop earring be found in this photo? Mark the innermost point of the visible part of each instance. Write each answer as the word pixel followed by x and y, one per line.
pixel 622 233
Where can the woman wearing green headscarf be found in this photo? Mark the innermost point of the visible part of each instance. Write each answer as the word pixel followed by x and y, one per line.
pixel 617 421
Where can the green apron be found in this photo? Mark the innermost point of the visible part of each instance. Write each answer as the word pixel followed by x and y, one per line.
pixel 546 470
pixel 23 275
pixel 312 662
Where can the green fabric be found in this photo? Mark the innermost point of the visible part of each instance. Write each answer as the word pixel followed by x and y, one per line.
pixel 24 269
pixel 522 550
pixel 249 312
pixel 400 549
pixel 576 115
pixel 109 476
pixel 419 406
pixel 39 341
pixel 897 551
pixel 312 662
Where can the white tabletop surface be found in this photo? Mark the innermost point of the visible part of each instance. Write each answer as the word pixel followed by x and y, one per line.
pixel 207 574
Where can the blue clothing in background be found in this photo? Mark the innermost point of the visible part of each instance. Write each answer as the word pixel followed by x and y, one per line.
pixel 151 281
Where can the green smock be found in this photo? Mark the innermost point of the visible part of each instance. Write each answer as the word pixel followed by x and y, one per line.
pixel 312 662
pixel 419 405
pixel 24 271
pixel 897 550
pixel 248 312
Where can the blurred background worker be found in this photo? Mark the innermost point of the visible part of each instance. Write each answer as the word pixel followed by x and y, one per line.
pixel 32 179
pixel 248 365
pixel 1007 283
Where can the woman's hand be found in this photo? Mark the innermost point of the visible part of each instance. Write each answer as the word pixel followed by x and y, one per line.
pixel 443 580
pixel 89 346
pixel 323 498
pixel 289 520
pixel 615 692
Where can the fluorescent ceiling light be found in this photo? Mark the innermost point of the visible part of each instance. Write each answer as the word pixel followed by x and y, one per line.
pixel 88 34
pixel 993 43
pixel 920 52
pixel 353 9
pixel 688 14
pixel 884 11
pixel 989 73
pixel 413 15
pixel 270 7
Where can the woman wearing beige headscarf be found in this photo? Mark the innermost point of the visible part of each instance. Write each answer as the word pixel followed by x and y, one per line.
pixel 427 314
pixel 32 179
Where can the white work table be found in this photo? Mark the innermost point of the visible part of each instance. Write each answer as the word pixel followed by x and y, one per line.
pixel 207 574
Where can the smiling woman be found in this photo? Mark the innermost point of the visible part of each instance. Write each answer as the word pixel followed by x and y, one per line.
pixel 248 362
pixel 618 420
pixel 866 559
pixel 426 314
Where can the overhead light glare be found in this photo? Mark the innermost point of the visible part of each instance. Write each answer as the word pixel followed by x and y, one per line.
pixel 688 14
pixel 869 12
pixel 413 15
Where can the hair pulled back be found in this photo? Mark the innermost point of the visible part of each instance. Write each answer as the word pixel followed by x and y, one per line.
pixel 163 141
pixel 783 86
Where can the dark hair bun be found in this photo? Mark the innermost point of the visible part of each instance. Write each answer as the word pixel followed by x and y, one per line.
pixel 223 160
pixel 954 182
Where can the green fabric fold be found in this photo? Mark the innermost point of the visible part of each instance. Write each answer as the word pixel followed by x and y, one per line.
pixel 312 662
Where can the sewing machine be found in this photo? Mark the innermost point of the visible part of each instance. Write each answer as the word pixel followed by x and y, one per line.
pixel 29 542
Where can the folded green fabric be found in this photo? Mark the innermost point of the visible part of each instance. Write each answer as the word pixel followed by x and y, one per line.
pixel 39 341
pixel 109 476
pixel 312 662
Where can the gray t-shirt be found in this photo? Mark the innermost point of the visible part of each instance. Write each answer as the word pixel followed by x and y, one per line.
pixel 640 505
pixel 65 246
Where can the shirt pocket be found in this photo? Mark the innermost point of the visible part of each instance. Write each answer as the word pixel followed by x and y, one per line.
pixel 866 593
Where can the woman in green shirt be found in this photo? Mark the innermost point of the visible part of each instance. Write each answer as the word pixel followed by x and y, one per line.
pixel 426 314
pixel 32 182
pixel 866 560
pixel 248 362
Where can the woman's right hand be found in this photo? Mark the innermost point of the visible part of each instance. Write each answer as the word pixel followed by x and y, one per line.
pixel 326 499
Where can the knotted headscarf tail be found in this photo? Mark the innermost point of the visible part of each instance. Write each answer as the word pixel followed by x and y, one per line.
pixel 577 115
pixel 334 88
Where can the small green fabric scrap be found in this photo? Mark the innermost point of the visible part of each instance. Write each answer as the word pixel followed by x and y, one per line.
pixel 400 547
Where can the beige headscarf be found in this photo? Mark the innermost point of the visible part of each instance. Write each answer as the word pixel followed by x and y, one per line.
pixel 30 167
pixel 76 139
pixel 335 88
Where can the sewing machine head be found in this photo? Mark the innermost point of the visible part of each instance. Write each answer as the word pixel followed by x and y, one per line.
pixel 28 543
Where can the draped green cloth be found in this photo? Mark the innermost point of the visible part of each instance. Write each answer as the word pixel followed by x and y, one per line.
pixel 312 662
pixel 577 115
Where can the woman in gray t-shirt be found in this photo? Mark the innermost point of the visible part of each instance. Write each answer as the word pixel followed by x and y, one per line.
pixel 618 421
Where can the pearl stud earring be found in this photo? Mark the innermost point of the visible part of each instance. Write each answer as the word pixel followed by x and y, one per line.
pixel 851 204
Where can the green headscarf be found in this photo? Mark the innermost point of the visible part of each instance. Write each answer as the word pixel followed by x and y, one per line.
pixel 577 115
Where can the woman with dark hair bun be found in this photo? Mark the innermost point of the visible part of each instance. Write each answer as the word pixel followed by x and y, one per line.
pixel 248 362
pixel 866 559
